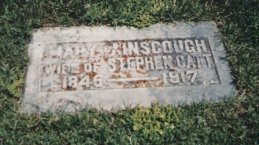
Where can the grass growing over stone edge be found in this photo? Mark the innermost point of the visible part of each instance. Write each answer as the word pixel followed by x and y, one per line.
pixel 234 120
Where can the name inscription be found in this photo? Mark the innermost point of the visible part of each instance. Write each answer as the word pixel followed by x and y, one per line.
pixel 127 64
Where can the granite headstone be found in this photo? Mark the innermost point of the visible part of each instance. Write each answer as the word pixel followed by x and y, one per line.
pixel 112 68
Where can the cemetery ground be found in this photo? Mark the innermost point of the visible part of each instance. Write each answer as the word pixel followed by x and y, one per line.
pixel 233 120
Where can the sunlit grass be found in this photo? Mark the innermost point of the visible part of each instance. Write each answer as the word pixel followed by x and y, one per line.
pixel 234 120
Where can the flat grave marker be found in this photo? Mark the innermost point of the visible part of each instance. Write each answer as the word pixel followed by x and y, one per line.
pixel 113 68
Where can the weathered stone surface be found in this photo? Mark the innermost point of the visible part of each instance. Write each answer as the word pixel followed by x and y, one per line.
pixel 113 68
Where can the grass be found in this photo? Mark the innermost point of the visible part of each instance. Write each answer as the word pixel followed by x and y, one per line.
pixel 234 120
